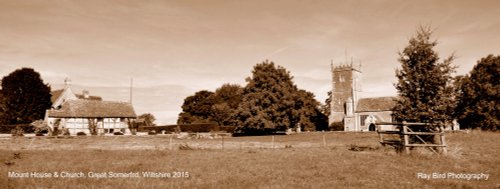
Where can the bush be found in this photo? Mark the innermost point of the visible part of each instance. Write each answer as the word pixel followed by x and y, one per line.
pixel 199 128
pixel 117 133
pixel 185 147
pixel 65 132
pixel 152 132
pixel 39 134
pixel 17 132
pixel 337 126
pixel 27 128
pixel 228 129
pixel 81 133
pixel 55 132
pixel 40 127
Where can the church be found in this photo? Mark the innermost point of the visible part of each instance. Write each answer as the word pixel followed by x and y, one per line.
pixel 348 108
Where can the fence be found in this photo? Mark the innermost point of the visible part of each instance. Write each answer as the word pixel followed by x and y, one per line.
pixel 406 133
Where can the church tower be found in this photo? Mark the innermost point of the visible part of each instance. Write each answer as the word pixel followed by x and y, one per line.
pixel 346 86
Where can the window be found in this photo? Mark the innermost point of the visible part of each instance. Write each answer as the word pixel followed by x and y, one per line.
pixel 363 119
pixel 393 119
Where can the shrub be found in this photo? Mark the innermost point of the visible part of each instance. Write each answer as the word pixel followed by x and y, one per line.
pixel 27 128
pixel 185 147
pixel 54 132
pixel 65 132
pixel 81 133
pixel 40 127
pixel 117 133
pixel 229 129
pixel 152 132
pixel 355 147
pixel 17 132
pixel 337 126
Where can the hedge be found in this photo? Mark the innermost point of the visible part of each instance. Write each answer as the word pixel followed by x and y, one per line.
pixel 27 128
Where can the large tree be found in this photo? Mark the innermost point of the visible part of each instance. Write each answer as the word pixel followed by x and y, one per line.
pixel 209 107
pixel 271 102
pixel 307 112
pixel 148 119
pixel 424 82
pixel 227 99
pixel 26 97
pixel 479 96
pixel 197 108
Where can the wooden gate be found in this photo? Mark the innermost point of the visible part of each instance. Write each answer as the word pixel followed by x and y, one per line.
pixel 404 132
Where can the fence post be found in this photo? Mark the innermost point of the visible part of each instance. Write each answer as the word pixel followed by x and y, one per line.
pixel 443 142
pixel 273 141
pixel 324 140
pixel 170 142
pixel 406 137
pixel 222 142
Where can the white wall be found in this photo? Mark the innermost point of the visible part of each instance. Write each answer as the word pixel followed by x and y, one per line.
pixel 75 125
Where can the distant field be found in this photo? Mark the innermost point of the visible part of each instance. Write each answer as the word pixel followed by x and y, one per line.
pixel 307 160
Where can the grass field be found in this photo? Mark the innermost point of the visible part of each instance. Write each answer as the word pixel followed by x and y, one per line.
pixel 308 160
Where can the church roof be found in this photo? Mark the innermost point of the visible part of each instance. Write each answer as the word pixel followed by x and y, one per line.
pixel 93 109
pixel 376 104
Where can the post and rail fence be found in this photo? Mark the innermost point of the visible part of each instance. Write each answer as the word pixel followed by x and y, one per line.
pixel 405 132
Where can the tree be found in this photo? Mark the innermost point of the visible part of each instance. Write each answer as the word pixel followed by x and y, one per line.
pixel 148 119
pixel 424 83
pixel 227 99
pixel 308 113
pixel 326 108
pixel 206 106
pixel 197 108
pixel 479 96
pixel 3 108
pixel 26 97
pixel 271 102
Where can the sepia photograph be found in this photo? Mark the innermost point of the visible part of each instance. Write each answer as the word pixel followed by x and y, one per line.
pixel 249 94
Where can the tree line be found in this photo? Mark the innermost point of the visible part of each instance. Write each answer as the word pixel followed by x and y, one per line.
pixel 427 92
pixel 270 101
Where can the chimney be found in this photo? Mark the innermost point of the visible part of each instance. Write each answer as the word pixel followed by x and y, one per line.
pixel 85 94
pixel 67 83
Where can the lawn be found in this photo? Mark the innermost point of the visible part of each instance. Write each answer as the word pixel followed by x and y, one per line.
pixel 308 160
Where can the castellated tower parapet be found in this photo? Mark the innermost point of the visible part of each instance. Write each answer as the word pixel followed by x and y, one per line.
pixel 346 85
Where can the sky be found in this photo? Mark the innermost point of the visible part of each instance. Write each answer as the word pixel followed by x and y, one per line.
pixel 173 49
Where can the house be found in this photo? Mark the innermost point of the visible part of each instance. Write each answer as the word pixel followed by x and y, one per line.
pixel 78 112
pixel 62 95
pixel 355 113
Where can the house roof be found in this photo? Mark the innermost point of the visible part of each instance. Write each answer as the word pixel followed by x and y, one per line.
pixel 376 104
pixel 55 95
pixel 93 109
pixel 81 96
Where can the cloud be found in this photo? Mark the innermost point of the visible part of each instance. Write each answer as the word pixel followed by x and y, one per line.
pixel 174 48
